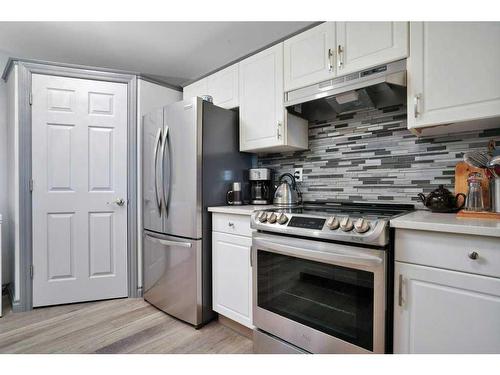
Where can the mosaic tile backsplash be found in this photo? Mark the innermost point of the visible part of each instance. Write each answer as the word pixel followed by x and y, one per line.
pixel 370 156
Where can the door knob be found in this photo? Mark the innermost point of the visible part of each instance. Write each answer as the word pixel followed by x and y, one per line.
pixel 119 202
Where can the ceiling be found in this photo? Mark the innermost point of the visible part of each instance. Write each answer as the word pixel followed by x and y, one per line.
pixel 174 52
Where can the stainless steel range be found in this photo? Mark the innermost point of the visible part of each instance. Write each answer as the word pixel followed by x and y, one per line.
pixel 321 276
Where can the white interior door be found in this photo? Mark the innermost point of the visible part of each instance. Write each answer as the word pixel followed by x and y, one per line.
pixel 79 145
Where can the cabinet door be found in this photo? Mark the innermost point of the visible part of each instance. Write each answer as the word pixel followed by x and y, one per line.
pixel 443 311
pixel 232 277
pixel 362 45
pixel 223 87
pixel 198 88
pixel 261 100
pixel 453 72
pixel 309 56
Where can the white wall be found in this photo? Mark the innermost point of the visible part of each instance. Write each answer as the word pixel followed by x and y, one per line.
pixel 3 174
pixel 149 97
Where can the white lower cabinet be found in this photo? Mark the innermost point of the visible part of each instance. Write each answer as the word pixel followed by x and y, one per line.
pixel 444 311
pixel 232 276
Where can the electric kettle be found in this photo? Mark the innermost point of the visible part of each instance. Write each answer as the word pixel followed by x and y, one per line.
pixel 287 194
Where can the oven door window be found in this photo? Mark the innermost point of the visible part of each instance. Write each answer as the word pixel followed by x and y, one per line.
pixel 332 299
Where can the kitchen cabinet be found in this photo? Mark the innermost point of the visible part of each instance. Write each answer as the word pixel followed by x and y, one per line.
pixel 222 86
pixel 453 72
pixel 447 293
pixel 198 88
pixel 445 311
pixel 335 49
pixel 362 45
pixel 265 125
pixel 309 56
pixel 231 268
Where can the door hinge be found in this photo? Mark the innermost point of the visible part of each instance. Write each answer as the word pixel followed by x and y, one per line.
pixel 31 271
pixel 31 185
pixel 31 98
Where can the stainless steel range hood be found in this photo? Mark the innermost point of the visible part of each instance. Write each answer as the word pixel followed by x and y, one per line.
pixel 382 86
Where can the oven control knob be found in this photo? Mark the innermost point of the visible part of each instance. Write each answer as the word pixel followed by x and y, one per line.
pixel 346 224
pixel 282 219
pixel 332 223
pixel 361 225
pixel 262 216
pixel 271 218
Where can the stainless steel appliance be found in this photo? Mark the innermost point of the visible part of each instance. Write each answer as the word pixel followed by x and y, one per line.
pixel 381 86
pixel 190 156
pixel 287 193
pixel 322 278
pixel 260 185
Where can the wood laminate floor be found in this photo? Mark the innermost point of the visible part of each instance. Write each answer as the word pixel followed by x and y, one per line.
pixel 127 325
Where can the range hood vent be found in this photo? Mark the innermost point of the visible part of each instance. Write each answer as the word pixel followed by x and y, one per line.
pixel 378 87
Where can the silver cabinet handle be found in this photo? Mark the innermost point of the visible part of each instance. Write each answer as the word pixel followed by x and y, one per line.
pixel 170 243
pixel 400 290
pixel 416 105
pixel 473 255
pixel 330 59
pixel 278 133
pixel 155 158
pixel 340 57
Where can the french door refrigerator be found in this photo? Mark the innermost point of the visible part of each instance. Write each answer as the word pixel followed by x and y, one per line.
pixel 190 157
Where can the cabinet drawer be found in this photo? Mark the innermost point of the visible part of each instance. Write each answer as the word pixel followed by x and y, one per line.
pixel 449 251
pixel 233 224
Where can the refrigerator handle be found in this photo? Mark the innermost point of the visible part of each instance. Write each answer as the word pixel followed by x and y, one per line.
pixel 169 242
pixel 158 141
pixel 165 159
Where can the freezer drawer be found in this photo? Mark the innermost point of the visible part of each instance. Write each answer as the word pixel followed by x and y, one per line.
pixel 172 276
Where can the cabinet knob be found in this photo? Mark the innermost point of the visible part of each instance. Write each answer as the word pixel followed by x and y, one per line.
pixel 473 255
pixel 230 224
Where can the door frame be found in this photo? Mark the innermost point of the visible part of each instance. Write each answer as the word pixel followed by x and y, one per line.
pixel 25 71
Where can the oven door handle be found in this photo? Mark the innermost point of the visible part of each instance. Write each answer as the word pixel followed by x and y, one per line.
pixel 320 251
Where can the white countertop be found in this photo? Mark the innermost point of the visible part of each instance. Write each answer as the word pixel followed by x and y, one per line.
pixel 239 210
pixel 426 220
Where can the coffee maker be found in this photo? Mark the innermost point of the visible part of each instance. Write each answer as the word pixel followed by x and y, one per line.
pixel 260 185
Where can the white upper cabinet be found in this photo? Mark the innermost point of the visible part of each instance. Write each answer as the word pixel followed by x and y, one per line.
pixel 198 88
pixel 223 87
pixel 453 72
pixel 362 45
pixel 265 124
pixel 338 48
pixel 439 311
pixel 309 56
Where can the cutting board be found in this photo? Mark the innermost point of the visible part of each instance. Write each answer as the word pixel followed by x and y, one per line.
pixel 462 171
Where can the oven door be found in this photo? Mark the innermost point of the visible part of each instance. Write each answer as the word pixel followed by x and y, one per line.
pixel 319 296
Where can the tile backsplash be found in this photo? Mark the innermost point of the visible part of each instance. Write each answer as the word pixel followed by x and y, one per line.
pixel 371 156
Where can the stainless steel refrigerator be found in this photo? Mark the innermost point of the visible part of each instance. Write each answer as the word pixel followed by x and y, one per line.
pixel 190 157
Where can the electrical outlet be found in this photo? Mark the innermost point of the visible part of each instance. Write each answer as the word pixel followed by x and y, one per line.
pixel 297 173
